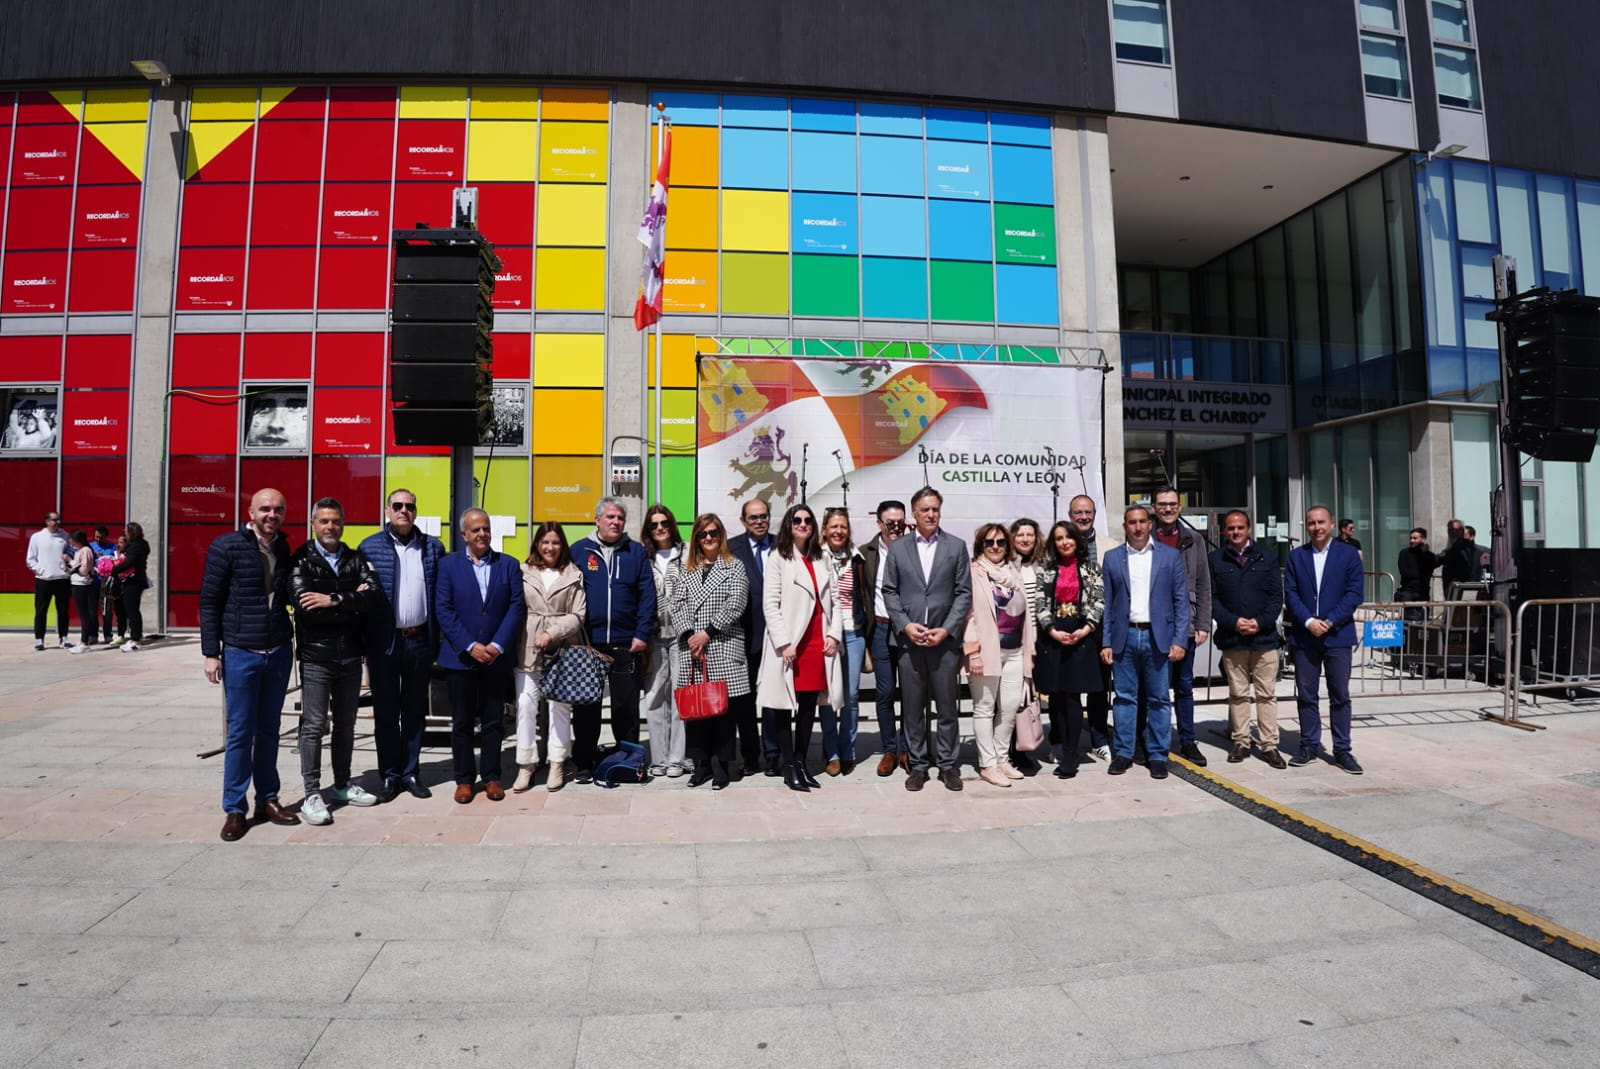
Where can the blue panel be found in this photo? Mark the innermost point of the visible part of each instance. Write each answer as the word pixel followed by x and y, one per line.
pixel 1012 129
pixel 902 120
pixel 1025 294
pixel 959 231
pixel 1022 175
pixel 891 165
pixel 824 161
pixel 770 112
pixel 894 289
pixel 689 109
pixel 823 222
pixel 958 169
pixel 894 226
pixel 755 159
pixel 823 115
pixel 958 124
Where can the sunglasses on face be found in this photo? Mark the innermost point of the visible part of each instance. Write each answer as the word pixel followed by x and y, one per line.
pixel 802 521
pixel 994 543
pixel 710 536
pixel 403 506
pixel 659 525
pixel 893 526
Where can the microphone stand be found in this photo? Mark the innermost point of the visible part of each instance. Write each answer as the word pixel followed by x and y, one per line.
pixel 922 455
pixel 844 481
pixel 1078 464
pixel 1055 486
pixel 805 450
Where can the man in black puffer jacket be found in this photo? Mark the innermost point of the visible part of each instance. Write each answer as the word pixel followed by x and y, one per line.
pixel 245 637
pixel 332 587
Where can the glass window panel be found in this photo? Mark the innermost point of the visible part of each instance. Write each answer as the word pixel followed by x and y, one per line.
pixel 1140 30
pixel 1514 194
pixel 1305 314
pixel 1399 200
pixel 959 231
pixel 891 165
pixel 824 162
pixel 1140 355
pixel 823 115
pixel 1214 298
pixel 755 159
pixel 1477 331
pixel 894 226
pixel 1474 463
pixel 1589 247
pixel 1391 496
pixel 958 169
pixel 1477 272
pixel 1380 14
pixel 1025 294
pixel 1175 302
pixel 1274 285
pixel 1450 21
pixel 1556 227
pixel 1456 71
pixel 1333 228
pixel 1355 475
pixel 901 120
pixel 1023 175
pixel 1474 204
pixel 1246 319
pixel 1562 519
pixel 1138 297
pixel 1439 266
pixel 1383 65
pixel 1374 310
pixel 1317 477
pixel 770 112
pixel 823 223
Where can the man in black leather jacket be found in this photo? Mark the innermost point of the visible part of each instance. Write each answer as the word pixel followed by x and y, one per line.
pixel 330 586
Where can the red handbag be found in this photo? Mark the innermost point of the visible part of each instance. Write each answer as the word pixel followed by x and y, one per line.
pixel 702 700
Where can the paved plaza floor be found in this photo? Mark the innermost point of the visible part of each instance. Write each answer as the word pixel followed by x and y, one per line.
pixel 1104 921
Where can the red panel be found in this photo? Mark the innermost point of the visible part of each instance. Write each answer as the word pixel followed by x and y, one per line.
pixel 30 491
pixel 290 477
pixel 505 212
pixel 30 359
pixel 95 423
pixel 513 286
pixel 210 279
pixel 183 610
pixel 232 164
pixel 430 150
pixel 346 420
pixel 421 202
pixel 186 559
pixel 99 361
pixel 305 102
pixel 204 426
pixel 282 278
pixel 288 151
pixel 214 214
pixel 107 216
pixel 277 357
pixel 15 578
pixel 94 490
pixel 355 213
pixel 362 101
pixel 40 218
pixel 512 356
pixel 34 282
pixel 356 481
pixel 360 152
pixel 202 489
pixel 200 361
pixel 35 107
pixel 44 155
pixel 102 280
pixel 96 163
pixel 284 214
pixel 352 360
pixel 354 279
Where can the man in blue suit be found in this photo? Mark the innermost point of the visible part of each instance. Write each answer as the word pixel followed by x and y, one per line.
pixel 1321 592
pixel 481 611
pixel 1146 628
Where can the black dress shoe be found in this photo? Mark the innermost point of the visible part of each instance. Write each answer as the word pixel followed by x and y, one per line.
pixel 1066 771
pixel 1118 766
pixel 389 789
pixel 774 766
pixel 719 775
pixel 916 779
pixel 414 785
pixel 701 775
pixel 1025 764
pixel 1191 751
pixel 793 780
pixel 1158 770
pixel 951 778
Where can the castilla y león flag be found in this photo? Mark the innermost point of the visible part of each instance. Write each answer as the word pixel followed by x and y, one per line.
pixel 652 235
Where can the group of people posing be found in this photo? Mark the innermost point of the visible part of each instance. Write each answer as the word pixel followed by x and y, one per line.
pixel 787 620
pixel 103 580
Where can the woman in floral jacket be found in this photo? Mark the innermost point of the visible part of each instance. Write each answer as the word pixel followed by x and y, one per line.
pixel 1066 664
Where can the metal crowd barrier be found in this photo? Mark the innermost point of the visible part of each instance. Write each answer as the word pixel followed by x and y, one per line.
pixel 1555 650
pixel 1439 647
pixel 1375 586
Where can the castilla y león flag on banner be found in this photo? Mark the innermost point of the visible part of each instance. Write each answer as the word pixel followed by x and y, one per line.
pixel 652 235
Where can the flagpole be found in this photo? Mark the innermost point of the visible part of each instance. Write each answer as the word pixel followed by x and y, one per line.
pixel 661 146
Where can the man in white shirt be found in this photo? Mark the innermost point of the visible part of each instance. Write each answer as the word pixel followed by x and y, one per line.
pixel 47 560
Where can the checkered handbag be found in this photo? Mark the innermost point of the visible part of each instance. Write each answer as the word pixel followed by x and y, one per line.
pixel 576 674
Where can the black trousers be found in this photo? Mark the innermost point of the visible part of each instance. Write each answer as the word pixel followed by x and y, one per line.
pixel 1066 716
pixel 793 733
pixel 132 616
pixel 625 683
pixel 110 601
pixel 478 698
pixel 400 682
pixel 743 711
pixel 85 600
pixel 712 738
pixel 44 592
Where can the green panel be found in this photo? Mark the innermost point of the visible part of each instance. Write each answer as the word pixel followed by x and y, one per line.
pixel 678 474
pixel 16 610
pixel 962 291
pixel 827 347
pixel 827 286
pixel 575 531
pixel 429 479
pixel 678 423
pixel 1024 234
pixel 504 490
pixel 755 283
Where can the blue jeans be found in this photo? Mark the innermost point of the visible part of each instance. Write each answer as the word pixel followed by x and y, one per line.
pixel 1183 694
pixel 254 685
pixel 835 747
pixel 884 658
pixel 1141 663
pixel 1309 665
pixel 400 683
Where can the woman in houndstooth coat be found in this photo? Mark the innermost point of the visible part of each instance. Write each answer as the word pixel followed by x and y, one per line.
pixel 706 601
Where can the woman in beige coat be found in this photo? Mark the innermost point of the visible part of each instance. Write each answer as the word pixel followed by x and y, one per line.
pixel 999 651
pixel 553 591
pixel 800 655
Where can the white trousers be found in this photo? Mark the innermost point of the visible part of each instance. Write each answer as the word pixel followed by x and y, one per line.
pixel 667 741
pixel 528 723
pixel 995 701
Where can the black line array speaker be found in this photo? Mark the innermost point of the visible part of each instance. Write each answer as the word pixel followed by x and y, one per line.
pixel 1552 355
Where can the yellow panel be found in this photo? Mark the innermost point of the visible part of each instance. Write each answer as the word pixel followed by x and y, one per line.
pixel 564 491
pixel 569 421
pixel 754 219
pixel 16 610
pixel 569 280
pixel 507 495
pixel 691 283
pixel 273 95
pixel 125 141
pixel 694 156
pixel 428 478
pixel 71 99
pixel 505 102
pixel 677 361
pixel 231 102
pixel 569 359
pixel 117 105
pixel 590 104
pixel 501 151
pixel 678 420
pixel 571 215
pixel 433 101
pixel 355 532
pixel 208 139
pixel 692 219
pixel 573 152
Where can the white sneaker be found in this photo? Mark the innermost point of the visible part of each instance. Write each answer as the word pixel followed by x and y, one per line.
pixel 677 769
pixel 38 643
pixel 63 644
pixel 355 794
pixel 130 647
pixel 1099 753
pixel 81 647
pixel 314 810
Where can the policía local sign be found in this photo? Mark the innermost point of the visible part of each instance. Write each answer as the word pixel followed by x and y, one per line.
pixel 1205 406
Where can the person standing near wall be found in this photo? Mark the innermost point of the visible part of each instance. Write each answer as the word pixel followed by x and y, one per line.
pixel 48 556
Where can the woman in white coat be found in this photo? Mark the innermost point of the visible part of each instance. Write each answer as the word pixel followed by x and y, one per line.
pixel 800 655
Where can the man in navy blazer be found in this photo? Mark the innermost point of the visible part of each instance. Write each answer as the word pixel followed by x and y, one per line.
pixel 1145 629
pixel 1321 592
pixel 481 610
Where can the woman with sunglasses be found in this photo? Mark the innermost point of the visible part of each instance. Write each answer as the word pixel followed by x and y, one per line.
pixel 1027 549
pixel 999 651
pixel 799 658
pixel 707 599
pixel 848 568
pixel 660 536
pixel 1066 663
pixel 553 592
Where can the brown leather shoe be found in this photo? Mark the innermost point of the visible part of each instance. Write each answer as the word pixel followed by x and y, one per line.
pixel 268 809
pixel 494 791
pixel 1240 751
pixel 463 793
pixel 886 764
pixel 832 767
pixel 234 827
pixel 1274 758
pixel 905 763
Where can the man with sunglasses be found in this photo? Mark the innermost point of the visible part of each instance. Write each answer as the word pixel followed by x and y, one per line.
pixel 402 642
pixel 882 644
pixel 47 560
pixel 752 550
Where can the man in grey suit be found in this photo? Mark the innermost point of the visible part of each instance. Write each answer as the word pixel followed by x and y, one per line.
pixel 927 588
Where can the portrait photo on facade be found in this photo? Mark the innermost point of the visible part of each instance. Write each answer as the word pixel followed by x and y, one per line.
pixel 32 422
pixel 275 421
